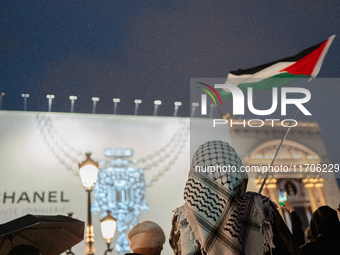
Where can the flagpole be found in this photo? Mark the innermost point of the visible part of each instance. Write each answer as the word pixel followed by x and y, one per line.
pixel 283 139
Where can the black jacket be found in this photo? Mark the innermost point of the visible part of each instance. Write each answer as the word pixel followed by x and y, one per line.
pixel 325 244
pixel 325 228
pixel 297 231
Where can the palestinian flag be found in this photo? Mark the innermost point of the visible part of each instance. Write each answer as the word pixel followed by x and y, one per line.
pixel 263 77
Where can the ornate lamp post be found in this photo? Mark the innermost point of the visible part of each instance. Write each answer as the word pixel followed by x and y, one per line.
pixel 108 227
pixel 88 171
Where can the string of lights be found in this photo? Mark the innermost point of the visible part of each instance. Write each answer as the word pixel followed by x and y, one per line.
pixel 95 102
pixel 116 102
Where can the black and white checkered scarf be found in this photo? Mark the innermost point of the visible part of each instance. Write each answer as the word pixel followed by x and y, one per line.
pixel 223 217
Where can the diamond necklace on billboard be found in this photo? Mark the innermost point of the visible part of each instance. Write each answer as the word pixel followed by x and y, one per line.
pixel 121 185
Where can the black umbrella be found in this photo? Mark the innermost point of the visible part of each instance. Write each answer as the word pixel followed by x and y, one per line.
pixel 52 235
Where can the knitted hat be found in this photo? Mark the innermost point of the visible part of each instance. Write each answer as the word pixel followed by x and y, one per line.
pixel 146 237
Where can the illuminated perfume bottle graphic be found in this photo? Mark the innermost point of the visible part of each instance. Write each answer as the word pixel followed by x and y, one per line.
pixel 120 189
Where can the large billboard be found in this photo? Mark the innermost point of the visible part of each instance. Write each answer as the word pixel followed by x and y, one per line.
pixel 40 152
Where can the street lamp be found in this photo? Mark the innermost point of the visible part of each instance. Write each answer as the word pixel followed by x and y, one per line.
pixel 25 96
pixel 1 96
pixel 50 98
pixel 137 103
pixel 95 100
pixel 108 227
pixel 212 108
pixel 156 103
pixel 194 105
pixel 115 104
pixel 88 171
pixel 72 98
pixel 177 105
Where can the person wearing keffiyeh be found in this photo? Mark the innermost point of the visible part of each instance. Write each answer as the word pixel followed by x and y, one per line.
pixel 219 216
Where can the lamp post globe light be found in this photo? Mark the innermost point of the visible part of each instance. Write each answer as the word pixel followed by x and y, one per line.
pixel 108 227
pixel 88 171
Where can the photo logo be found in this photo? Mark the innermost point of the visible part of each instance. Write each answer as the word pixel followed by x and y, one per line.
pixel 204 97
pixel 238 100
pixel 241 100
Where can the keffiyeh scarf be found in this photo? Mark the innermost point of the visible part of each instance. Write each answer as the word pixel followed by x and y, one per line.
pixel 219 217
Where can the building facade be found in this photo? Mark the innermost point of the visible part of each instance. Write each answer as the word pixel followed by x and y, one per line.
pixel 302 167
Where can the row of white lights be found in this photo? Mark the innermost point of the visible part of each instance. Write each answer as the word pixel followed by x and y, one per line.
pixel 137 102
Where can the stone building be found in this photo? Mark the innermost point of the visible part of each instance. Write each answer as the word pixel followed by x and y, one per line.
pixel 302 166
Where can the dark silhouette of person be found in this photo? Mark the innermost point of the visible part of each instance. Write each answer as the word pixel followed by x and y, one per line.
pixel 325 227
pixel 297 231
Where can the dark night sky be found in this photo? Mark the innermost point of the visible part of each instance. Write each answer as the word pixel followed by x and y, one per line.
pixel 151 49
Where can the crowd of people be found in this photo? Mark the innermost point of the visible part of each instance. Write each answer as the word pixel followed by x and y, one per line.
pixel 220 217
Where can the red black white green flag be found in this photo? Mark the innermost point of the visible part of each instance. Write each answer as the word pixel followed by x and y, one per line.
pixel 304 64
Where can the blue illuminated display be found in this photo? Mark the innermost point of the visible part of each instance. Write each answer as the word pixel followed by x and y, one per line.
pixel 120 188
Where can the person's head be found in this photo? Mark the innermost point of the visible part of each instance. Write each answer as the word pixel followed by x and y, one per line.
pixel 24 249
pixel 146 238
pixel 324 219
pixel 217 161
